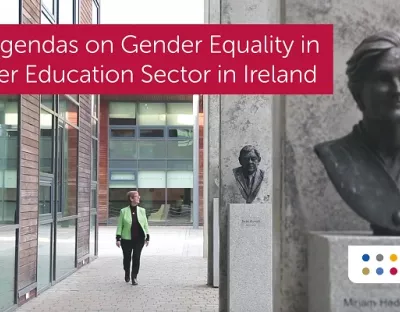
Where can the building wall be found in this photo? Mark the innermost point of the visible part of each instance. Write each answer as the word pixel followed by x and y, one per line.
pixel 29 171
pixel 104 148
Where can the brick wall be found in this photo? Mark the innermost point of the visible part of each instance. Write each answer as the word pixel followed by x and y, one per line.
pixel 103 164
pixel 29 190
pixel 29 171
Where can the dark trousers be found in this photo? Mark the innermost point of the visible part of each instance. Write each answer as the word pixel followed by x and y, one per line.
pixel 132 250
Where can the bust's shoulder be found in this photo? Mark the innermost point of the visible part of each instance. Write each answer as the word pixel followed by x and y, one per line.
pixel 337 146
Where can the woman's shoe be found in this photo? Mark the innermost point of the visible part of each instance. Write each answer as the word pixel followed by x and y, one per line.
pixel 134 282
pixel 127 279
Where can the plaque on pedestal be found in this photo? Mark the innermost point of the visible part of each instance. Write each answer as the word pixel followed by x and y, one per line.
pixel 249 258
pixel 329 286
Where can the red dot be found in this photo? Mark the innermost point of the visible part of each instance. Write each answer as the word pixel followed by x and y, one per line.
pixel 393 271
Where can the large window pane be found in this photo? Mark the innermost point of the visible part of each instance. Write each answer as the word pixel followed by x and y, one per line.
pixel 117 201
pixel 70 163
pixel 95 105
pixel 94 160
pixel 123 149
pixel 49 4
pixel 180 114
pixel 180 133
pixel 94 128
pixel 122 113
pixel 45 200
pixel 46 142
pixel 95 13
pixel 9 12
pixel 180 205
pixel 151 133
pixel 152 149
pixel 152 114
pixel 66 11
pixel 65 247
pixel 8 158
pixel 153 199
pixel 182 149
pixel 68 110
pixel 152 179
pixel 47 100
pixel 7 265
pixel 122 133
pixel 44 255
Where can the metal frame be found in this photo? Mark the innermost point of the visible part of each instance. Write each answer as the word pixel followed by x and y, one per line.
pixel 95 183
pixel 52 179
pixel 96 3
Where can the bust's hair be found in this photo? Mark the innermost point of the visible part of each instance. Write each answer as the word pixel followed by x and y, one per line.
pixel 365 57
pixel 248 149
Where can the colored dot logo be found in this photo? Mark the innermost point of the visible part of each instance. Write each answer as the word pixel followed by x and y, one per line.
pixel 393 257
pixel 379 257
pixel 365 258
pixel 379 271
pixel 393 271
pixel 365 271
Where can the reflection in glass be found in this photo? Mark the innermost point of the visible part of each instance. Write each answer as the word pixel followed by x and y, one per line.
pixel 45 200
pixel 117 200
pixel 180 149
pixel 123 133
pixel 65 247
pixel 7 265
pixel 46 142
pixel 94 128
pixel 122 149
pixel 68 110
pixel 8 158
pixel 152 149
pixel 153 199
pixel 122 113
pixel 94 160
pixel 180 114
pixel 70 161
pixel 47 100
pixel 44 256
pixel 179 201
pixel 152 114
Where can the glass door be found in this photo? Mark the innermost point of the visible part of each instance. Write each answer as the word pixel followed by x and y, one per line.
pixel 45 234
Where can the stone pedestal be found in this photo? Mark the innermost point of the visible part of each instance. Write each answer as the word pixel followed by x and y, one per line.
pixel 249 258
pixel 329 288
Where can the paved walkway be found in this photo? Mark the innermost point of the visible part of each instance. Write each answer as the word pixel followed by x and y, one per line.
pixel 172 278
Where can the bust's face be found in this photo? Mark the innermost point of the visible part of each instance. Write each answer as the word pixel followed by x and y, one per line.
pixel 249 162
pixel 381 92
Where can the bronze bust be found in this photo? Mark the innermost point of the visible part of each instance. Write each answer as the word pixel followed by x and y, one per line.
pixel 364 165
pixel 249 176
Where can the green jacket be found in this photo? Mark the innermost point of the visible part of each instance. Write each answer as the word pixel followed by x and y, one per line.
pixel 125 223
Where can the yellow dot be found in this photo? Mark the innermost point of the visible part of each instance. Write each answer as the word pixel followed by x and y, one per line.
pixel 393 257
pixel 365 271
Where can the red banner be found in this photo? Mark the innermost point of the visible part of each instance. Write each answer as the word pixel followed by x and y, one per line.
pixel 166 59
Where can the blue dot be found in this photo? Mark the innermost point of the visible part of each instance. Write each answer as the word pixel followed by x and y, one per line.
pixel 365 257
pixel 379 271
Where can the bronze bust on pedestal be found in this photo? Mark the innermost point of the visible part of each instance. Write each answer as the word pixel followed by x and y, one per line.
pixel 364 166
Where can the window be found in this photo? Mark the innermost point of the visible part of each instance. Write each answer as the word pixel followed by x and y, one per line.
pixel 49 6
pixel 152 114
pixel 46 141
pixel 9 110
pixel 180 114
pixel 122 114
pixel 66 11
pixel 95 12
pixel 68 110
pixel 9 12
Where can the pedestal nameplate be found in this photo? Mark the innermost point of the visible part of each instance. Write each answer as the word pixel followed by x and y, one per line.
pixel 250 258
pixel 329 287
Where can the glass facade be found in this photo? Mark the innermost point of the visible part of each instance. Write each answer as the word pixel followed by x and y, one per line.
pixel 95 105
pixel 151 150
pixel 58 213
pixel 9 142
pixel 9 163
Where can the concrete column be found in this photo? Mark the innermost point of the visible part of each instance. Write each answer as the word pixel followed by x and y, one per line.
pixel 244 119
pixel 212 140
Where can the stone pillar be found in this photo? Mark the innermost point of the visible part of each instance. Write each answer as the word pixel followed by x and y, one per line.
pixel 245 119
pixel 212 121
pixel 310 202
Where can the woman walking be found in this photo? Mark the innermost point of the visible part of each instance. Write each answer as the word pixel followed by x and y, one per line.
pixel 132 235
